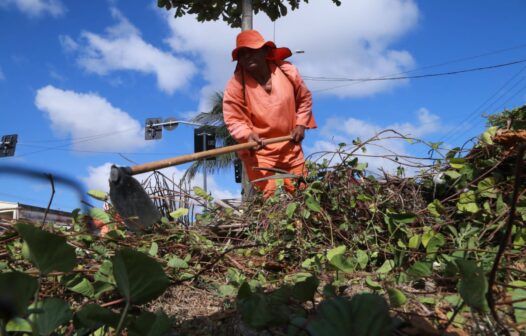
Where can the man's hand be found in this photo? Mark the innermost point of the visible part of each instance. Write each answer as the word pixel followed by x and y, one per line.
pixel 298 133
pixel 254 137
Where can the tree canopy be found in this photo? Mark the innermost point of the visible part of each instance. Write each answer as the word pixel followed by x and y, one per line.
pixel 230 10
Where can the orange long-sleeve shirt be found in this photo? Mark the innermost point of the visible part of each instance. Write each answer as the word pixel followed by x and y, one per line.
pixel 252 109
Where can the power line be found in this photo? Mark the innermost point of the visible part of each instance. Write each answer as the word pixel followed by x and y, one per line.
pixel 79 140
pixel 484 105
pixel 448 73
pixel 521 89
pixel 99 135
pixel 99 152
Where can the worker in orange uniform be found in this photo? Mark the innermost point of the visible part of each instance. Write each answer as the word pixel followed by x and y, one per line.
pixel 265 98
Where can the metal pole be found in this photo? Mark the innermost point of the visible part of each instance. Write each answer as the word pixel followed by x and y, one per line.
pixel 246 15
pixel 204 163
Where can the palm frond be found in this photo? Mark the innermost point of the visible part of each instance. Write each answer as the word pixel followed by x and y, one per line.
pixel 223 138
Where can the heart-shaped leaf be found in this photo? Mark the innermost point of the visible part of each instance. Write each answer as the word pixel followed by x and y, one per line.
pixel 337 258
pixel 179 213
pixel 48 251
pixel 364 315
pixel 139 278
pixel 150 324
pixel 92 317
pixel 16 291
pixel 53 313
pixel 472 285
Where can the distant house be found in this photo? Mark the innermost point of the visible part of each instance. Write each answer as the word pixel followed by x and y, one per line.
pixel 10 211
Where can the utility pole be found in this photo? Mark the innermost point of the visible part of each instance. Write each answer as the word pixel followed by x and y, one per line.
pixel 246 15
pixel 246 24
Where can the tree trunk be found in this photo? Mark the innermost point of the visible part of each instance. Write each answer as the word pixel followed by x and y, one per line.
pixel 246 24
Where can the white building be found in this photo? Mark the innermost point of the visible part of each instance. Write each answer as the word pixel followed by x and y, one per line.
pixel 10 211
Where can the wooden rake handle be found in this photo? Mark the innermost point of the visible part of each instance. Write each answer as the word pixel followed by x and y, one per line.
pixel 174 161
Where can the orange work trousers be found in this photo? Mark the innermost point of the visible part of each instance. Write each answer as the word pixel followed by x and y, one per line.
pixel 268 187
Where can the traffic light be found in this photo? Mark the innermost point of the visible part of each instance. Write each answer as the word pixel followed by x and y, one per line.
pixel 8 145
pixel 153 131
pixel 204 139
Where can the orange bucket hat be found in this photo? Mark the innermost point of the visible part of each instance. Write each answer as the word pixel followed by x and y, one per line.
pixel 252 39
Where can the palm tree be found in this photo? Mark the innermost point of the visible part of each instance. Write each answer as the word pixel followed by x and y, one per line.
pixel 214 118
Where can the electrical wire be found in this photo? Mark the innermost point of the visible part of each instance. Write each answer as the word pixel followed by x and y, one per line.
pixel 448 73
pixel 100 135
pixel 99 152
pixel 80 140
pixel 484 106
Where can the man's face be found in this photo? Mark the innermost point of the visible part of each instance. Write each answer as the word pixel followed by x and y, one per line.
pixel 252 59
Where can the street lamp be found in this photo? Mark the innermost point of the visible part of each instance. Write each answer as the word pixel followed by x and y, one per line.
pixel 153 131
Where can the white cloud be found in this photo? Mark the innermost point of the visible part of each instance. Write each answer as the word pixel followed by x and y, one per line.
pixel 35 8
pixel 98 179
pixel 90 120
pixel 353 40
pixel 123 48
pixel 339 130
pixel 68 44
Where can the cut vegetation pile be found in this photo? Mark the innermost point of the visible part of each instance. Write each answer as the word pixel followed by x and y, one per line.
pixel 437 248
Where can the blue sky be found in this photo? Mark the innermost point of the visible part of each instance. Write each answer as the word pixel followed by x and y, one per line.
pixel 78 79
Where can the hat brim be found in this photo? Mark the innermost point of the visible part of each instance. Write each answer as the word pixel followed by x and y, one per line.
pixel 275 53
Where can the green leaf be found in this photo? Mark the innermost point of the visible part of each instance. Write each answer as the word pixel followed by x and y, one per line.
pixel 362 258
pixel 361 166
pixel 457 163
pixel 304 290
pixel 420 270
pixel 364 315
pixel 18 325
pixel 313 204
pixel 179 213
pixel 472 285
pixel 518 296
pixel 105 273
pixel 48 251
pixel 54 313
pixel 434 244
pixel 100 214
pixel 291 208
pixel 436 209
pixel 396 297
pixel 486 188
pixel 226 290
pixel 487 136
pixel 16 291
pixel 402 218
pixel 154 248
pixel 426 236
pixel 467 202
pixel 386 267
pixel 92 317
pixel 99 195
pixel 453 174
pixel 372 284
pixel 176 262
pixel 202 193
pixel 139 278
pixel 261 311
pixel 414 241
pixel 78 284
pixel 150 324
pixel 336 258
pixel 100 288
